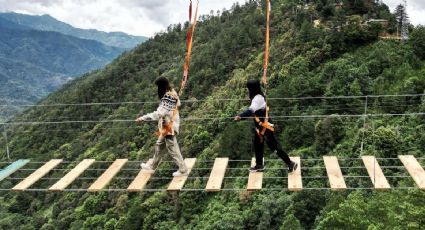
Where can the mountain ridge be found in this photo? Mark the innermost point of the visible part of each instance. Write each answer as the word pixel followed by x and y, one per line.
pixel 48 23
pixel 34 63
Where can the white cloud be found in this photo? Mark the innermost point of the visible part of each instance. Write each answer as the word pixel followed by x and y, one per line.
pixel 139 17
pixel 415 9
pixel 142 17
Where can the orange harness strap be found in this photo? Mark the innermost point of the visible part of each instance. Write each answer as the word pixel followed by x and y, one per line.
pixel 266 125
pixel 168 129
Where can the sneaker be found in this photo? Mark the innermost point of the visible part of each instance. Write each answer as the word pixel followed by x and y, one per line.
pixel 257 168
pixel 178 173
pixel 147 167
pixel 292 167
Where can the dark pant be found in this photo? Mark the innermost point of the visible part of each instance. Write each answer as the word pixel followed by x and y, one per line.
pixel 273 144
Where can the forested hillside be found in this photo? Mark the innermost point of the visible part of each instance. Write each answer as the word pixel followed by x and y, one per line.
pixel 317 77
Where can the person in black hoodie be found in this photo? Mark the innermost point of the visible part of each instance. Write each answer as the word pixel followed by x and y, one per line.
pixel 264 129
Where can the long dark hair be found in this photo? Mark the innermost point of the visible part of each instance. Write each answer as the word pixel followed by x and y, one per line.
pixel 254 88
pixel 163 86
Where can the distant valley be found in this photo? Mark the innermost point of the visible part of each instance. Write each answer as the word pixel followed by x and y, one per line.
pixel 38 54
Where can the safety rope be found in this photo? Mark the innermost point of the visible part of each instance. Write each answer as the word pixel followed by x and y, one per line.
pixel 333 116
pixel 265 125
pixel 352 97
pixel 167 129
pixel 266 49
pixel 190 34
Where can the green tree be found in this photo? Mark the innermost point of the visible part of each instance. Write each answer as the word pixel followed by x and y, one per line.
pixel 417 40
pixel 328 133
pixel 400 15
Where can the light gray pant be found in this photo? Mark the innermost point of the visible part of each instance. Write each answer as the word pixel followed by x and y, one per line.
pixel 170 143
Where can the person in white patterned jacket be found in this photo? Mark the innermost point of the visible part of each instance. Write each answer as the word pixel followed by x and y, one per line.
pixel 168 119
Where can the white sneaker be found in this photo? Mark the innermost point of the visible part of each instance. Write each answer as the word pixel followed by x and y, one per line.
pixel 147 167
pixel 178 173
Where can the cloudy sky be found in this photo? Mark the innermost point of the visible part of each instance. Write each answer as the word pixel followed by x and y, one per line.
pixel 141 17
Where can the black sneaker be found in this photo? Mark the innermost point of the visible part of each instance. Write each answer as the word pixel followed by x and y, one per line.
pixel 257 168
pixel 292 167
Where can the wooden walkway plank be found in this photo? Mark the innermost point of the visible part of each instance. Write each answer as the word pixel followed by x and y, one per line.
pixel 336 179
pixel 217 175
pixel 255 179
pixel 178 182
pixel 415 170
pixel 295 182
pixel 375 173
pixel 37 175
pixel 141 180
pixel 107 176
pixel 12 168
pixel 72 175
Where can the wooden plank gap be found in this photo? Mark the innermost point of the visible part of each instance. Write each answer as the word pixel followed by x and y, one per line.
pixel 141 180
pixel 295 182
pixel 415 170
pixel 255 179
pixel 37 175
pixel 378 178
pixel 178 182
pixel 215 180
pixel 336 179
pixel 107 176
pixel 12 168
pixel 72 175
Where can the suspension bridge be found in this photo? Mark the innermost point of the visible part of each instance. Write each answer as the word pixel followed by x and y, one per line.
pixel 215 176
pixel 60 175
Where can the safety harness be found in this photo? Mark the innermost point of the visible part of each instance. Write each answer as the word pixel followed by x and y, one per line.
pixel 167 129
pixel 266 125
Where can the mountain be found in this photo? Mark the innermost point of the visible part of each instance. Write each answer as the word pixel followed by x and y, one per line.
pixel 10 25
pixel 48 23
pixel 317 77
pixel 34 63
pixel 54 51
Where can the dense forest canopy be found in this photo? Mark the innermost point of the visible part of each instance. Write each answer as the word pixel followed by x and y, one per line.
pixel 318 49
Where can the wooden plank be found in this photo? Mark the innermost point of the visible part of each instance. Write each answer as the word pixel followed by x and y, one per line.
pixel 107 176
pixel 217 175
pixel 141 180
pixel 255 179
pixel 37 175
pixel 178 182
pixel 12 168
pixel 72 175
pixel 336 179
pixel 375 173
pixel 415 170
pixel 295 182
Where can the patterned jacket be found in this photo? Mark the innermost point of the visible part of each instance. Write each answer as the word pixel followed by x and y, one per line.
pixel 165 112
